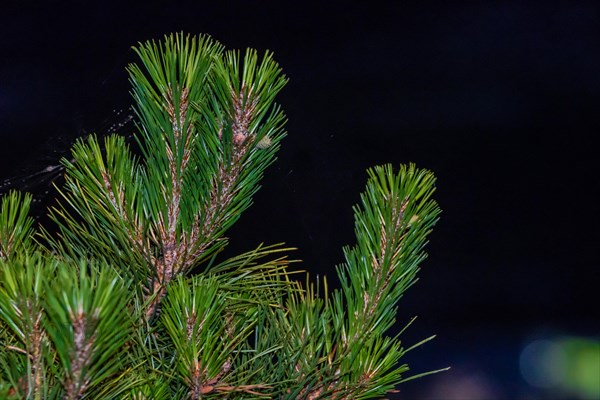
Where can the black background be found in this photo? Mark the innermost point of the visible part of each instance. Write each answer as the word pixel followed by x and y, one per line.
pixel 499 99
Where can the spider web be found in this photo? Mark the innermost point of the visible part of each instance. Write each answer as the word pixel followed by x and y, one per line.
pixel 42 181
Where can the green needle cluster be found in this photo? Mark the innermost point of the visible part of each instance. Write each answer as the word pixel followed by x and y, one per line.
pixel 127 297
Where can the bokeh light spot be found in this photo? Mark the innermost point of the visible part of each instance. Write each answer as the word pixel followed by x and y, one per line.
pixel 542 364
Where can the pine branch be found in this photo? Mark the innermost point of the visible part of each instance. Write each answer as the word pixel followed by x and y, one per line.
pixel 392 225
pixel 22 295
pixel 336 348
pixel 161 224
pixel 16 227
pixel 88 324
pixel 106 308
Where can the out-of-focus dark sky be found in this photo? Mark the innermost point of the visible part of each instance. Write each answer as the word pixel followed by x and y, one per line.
pixel 499 99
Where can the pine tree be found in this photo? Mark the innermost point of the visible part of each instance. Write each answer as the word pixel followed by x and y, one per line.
pixel 127 296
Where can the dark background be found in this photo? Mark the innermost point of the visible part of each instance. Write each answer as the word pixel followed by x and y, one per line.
pixel 499 99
